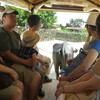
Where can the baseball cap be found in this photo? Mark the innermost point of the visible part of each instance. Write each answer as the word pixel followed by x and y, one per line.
pixel 92 19
pixel 9 11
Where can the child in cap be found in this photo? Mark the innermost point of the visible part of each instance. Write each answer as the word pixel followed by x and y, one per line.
pixel 27 50
pixel 29 41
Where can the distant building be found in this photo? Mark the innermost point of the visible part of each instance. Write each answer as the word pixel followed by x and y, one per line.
pixel 75 28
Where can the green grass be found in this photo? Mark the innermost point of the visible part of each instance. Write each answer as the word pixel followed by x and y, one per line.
pixel 73 31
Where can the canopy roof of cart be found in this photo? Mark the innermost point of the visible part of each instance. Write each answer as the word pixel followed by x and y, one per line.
pixel 57 5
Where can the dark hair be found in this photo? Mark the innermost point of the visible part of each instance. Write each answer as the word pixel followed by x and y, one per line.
pixel 98 24
pixel 33 20
pixel 86 25
pixel 4 15
pixel 92 27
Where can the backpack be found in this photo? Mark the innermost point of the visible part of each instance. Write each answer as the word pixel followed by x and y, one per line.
pixel 75 63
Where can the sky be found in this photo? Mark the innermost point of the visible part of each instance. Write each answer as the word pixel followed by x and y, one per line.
pixel 65 17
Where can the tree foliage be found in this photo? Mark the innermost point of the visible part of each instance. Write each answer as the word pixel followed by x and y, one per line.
pixel 75 23
pixel 48 18
pixel 62 27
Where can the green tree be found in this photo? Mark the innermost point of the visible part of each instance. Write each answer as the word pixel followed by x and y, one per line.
pixel 62 27
pixel 48 18
pixel 22 16
pixel 75 23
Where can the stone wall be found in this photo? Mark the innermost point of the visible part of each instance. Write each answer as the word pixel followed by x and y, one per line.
pixel 53 34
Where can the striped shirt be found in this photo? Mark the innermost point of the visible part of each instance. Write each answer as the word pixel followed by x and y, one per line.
pixel 26 52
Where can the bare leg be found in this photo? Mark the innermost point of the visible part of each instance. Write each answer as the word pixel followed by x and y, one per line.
pixel 34 87
pixel 19 84
pixel 18 95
